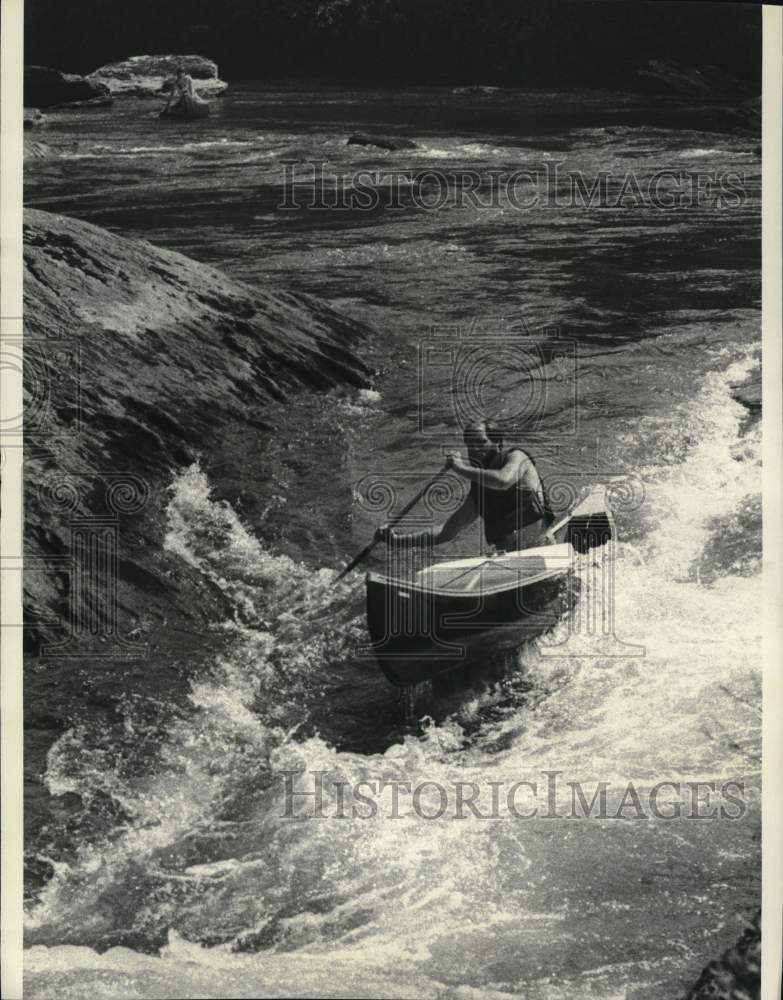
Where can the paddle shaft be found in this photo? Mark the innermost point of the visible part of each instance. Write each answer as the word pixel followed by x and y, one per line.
pixel 409 506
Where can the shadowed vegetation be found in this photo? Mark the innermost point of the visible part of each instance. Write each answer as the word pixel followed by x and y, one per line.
pixel 535 43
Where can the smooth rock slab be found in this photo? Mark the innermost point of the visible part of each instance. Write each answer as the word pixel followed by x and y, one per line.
pixel 749 392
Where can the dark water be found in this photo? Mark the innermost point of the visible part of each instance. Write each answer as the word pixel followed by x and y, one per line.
pixel 657 310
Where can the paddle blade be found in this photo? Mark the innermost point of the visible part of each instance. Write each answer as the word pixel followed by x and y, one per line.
pixel 590 531
pixel 355 561
pixel 408 506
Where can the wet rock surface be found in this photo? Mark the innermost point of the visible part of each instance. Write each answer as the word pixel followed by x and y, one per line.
pixel 749 393
pixel 157 358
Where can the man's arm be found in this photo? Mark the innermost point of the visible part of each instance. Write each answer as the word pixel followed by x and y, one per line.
pixel 464 515
pixel 494 479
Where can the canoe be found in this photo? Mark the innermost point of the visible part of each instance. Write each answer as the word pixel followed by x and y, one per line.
pixel 458 613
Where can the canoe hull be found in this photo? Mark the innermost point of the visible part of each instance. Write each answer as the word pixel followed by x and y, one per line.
pixel 418 635
pixel 462 613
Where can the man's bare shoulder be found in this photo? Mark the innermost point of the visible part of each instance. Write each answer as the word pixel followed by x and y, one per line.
pixel 519 456
pixel 521 465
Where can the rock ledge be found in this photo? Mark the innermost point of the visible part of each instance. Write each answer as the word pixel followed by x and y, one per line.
pixel 151 76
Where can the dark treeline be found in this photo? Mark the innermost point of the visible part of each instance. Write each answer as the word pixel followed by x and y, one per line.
pixel 506 42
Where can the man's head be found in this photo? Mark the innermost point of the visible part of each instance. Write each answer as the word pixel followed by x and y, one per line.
pixel 180 71
pixel 484 441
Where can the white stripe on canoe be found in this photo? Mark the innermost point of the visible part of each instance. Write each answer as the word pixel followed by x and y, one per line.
pixel 405 587
pixel 553 555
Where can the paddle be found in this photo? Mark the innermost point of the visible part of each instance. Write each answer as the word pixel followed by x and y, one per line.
pixel 590 523
pixel 409 506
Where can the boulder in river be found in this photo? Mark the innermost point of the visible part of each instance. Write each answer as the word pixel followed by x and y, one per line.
pixel 705 82
pixel 152 76
pixel 749 392
pixel 736 975
pixel 49 88
pixel 159 360
pixel 33 118
pixel 723 100
pixel 390 142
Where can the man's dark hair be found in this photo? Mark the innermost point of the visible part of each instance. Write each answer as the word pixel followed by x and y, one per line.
pixel 493 431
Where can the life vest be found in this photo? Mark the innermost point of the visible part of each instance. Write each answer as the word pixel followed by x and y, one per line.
pixel 509 510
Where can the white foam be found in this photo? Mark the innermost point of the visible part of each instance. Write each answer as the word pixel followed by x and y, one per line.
pixel 350 902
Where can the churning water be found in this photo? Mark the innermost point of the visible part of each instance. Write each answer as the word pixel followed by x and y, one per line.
pixel 208 879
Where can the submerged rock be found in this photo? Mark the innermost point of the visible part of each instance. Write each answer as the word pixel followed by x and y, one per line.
pixel 152 76
pixel 706 81
pixel 749 392
pixel 49 88
pixel 736 975
pixel 381 141
pixel 33 118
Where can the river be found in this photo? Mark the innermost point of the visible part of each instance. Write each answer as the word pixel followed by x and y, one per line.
pixel 200 884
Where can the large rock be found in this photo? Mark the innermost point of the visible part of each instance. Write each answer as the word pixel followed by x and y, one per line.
pixel 736 975
pixel 749 392
pixel 151 76
pixel 159 359
pixel 48 88
pixel 707 82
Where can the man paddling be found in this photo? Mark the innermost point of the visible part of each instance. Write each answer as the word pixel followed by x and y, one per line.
pixel 506 492
pixel 182 89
